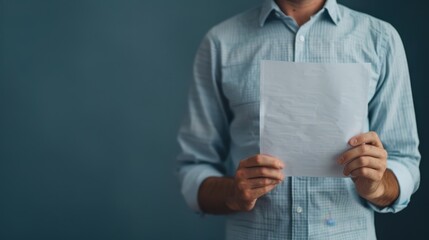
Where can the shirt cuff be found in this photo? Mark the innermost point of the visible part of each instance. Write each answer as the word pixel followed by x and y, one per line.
pixel 192 181
pixel 405 181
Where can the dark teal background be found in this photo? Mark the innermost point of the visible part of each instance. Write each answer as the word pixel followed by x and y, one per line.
pixel 91 96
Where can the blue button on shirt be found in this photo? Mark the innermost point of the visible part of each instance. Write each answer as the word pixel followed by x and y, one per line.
pixel 221 126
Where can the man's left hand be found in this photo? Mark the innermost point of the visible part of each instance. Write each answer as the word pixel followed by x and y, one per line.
pixel 366 163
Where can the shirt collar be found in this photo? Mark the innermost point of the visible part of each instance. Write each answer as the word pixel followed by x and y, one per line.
pixel 269 6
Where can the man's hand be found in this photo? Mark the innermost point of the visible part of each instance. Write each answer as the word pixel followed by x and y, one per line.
pixel 254 177
pixel 366 163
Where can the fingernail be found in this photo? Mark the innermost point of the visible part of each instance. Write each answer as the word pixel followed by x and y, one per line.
pixel 353 141
pixel 340 160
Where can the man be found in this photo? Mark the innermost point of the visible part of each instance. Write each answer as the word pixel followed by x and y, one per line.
pixel 221 170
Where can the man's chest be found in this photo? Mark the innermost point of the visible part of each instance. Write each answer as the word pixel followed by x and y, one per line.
pixel 240 61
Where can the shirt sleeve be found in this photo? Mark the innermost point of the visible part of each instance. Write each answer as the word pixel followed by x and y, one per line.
pixel 204 134
pixel 391 115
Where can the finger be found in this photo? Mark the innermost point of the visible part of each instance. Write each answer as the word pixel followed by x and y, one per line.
pixel 260 172
pixel 362 150
pixel 258 192
pixel 365 161
pixel 262 161
pixel 367 173
pixel 261 182
pixel 368 138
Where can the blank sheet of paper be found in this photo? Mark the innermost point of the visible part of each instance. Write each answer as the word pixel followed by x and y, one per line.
pixel 309 111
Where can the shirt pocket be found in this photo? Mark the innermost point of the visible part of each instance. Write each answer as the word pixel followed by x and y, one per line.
pixel 240 84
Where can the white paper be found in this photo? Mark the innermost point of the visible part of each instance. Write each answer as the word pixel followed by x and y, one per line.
pixel 309 111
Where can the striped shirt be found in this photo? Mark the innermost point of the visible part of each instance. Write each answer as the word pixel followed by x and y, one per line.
pixel 221 126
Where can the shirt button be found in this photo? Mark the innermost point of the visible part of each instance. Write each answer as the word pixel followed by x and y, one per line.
pixel 330 222
pixel 301 38
pixel 299 209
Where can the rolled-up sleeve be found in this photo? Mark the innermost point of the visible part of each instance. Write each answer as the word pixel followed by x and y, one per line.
pixel 204 134
pixel 391 115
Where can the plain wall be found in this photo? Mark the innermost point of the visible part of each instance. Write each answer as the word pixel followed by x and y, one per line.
pixel 91 96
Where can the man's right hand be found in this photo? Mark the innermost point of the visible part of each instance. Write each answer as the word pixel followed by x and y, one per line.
pixel 254 177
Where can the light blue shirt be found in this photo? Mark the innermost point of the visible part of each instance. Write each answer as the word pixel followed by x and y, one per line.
pixel 221 126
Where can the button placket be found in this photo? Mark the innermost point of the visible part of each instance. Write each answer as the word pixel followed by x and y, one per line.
pixel 299 47
pixel 299 205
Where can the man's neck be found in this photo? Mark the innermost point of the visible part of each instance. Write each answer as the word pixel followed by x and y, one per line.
pixel 300 10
